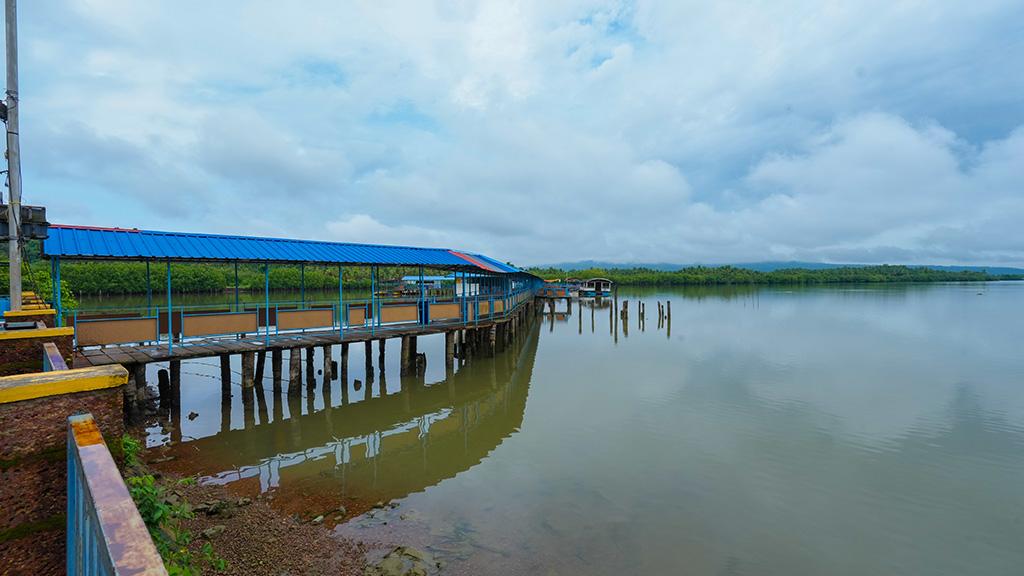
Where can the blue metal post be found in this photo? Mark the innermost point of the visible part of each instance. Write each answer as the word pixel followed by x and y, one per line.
pixel 341 304
pixel 423 310
pixel 373 297
pixel 465 287
pixel 237 308
pixel 55 275
pixel 149 292
pixel 266 299
pixel 302 285
pixel 170 313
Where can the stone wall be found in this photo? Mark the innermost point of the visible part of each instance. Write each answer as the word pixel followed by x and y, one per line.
pixel 21 351
pixel 47 316
pixel 33 460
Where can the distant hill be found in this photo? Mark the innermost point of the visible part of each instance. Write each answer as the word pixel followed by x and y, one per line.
pixel 768 266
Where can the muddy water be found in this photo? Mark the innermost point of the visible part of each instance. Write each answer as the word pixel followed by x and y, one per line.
pixel 844 430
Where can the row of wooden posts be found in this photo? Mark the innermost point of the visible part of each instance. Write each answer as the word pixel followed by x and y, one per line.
pixel 461 343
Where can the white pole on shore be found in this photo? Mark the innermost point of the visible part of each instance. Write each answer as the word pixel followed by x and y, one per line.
pixel 13 154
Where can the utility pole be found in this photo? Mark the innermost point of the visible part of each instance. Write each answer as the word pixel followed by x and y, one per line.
pixel 13 153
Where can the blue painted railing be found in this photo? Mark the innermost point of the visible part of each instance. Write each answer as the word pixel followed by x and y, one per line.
pixel 477 304
pixel 105 534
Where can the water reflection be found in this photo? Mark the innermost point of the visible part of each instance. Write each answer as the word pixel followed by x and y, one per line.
pixel 842 431
pixel 375 444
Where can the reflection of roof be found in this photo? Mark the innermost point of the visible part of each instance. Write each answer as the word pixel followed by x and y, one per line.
pixel 81 242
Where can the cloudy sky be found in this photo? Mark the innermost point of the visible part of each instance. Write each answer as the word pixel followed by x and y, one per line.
pixel 652 131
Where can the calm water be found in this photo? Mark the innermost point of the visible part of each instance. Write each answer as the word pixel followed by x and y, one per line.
pixel 864 430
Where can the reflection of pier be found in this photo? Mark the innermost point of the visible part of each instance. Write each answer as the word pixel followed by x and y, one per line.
pixel 384 447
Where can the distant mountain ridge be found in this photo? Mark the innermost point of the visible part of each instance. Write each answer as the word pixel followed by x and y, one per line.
pixel 769 266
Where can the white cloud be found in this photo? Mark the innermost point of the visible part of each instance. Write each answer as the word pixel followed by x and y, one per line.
pixel 540 131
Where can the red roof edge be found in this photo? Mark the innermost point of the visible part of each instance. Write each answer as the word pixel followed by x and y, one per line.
pixel 474 261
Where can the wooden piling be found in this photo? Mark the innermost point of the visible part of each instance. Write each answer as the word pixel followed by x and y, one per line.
pixel 381 347
pixel 492 337
pixel 344 357
pixel 368 357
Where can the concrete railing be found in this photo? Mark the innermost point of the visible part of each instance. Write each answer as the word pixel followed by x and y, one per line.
pixel 105 533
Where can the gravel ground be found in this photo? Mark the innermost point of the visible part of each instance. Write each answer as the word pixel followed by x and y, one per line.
pixel 258 540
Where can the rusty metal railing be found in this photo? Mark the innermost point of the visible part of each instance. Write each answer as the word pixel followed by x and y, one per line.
pixel 105 534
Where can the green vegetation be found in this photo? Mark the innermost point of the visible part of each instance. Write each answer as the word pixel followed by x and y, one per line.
pixel 130 448
pixel 116 278
pixel 162 516
pixel 729 275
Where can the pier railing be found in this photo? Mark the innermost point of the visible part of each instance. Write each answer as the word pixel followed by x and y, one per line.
pixel 178 324
pixel 105 533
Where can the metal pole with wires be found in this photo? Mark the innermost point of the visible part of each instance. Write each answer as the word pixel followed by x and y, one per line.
pixel 13 154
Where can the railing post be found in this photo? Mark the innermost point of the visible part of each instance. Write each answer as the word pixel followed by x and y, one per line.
pixel 55 275
pixel 373 298
pixel 266 300
pixel 170 313
pixel 341 304
pixel 423 313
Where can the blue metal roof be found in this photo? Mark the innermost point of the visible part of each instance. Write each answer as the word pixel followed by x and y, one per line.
pixel 80 242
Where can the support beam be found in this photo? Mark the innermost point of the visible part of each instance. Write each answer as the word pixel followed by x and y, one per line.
pixel 328 357
pixel 225 373
pixel 310 370
pixel 449 351
pixel 276 360
pixel 248 362
pixel 261 362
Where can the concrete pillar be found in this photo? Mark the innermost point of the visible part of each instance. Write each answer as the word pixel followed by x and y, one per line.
pixel 328 373
pixel 163 386
pixel 139 373
pixel 404 358
pixel 275 366
pixel 225 372
pixel 449 351
pixel 175 383
pixel 295 372
pixel 310 370
pixel 261 364
pixel 248 362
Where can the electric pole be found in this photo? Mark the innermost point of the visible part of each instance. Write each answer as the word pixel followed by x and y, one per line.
pixel 13 153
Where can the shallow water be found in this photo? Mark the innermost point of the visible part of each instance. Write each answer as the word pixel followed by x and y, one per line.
pixel 843 430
